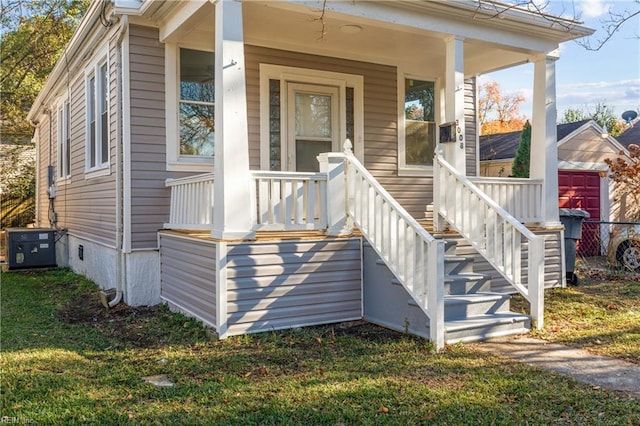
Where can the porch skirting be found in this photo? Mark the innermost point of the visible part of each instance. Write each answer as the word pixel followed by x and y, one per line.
pixel 247 287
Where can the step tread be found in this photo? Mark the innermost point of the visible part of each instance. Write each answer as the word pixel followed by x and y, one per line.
pixel 474 297
pixel 479 321
pixel 468 276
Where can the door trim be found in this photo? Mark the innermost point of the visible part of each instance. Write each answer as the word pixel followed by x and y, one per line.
pixel 310 76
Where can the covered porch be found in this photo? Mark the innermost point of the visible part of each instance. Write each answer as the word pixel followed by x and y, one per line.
pixel 256 181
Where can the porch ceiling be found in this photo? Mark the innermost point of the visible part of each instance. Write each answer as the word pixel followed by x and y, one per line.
pixel 299 28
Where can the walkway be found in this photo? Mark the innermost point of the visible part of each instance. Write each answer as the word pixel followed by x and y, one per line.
pixel 608 373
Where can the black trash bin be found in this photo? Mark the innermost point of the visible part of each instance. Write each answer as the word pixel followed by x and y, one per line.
pixel 572 221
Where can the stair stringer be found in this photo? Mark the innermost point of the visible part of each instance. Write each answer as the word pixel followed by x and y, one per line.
pixel 385 300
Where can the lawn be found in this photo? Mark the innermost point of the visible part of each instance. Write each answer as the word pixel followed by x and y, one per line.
pixel 65 360
pixel 601 315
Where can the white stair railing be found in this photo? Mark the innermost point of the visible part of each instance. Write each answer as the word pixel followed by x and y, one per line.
pixel 493 232
pixel 289 200
pixel 191 202
pixel 414 256
pixel 522 198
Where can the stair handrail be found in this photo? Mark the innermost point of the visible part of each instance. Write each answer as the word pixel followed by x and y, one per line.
pixel 500 247
pixel 413 255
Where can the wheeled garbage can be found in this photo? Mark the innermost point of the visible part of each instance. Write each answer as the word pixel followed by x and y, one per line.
pixel 572 221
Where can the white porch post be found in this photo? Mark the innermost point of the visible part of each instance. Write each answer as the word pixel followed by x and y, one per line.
pixel 544 143
pixel 232 206
pixel 454 152
pixel 333 165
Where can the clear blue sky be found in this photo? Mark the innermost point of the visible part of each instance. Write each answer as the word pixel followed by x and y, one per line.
pixel 610 75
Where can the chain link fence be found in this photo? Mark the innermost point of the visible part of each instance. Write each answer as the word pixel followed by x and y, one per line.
pixel 609 247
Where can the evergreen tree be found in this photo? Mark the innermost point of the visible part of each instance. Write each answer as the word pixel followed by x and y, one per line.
pixel 520 168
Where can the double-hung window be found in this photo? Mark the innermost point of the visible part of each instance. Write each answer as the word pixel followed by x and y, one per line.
pixel 196 103
pixel 64 140
pixel 190 108
pixel 419 131
pixel 97 148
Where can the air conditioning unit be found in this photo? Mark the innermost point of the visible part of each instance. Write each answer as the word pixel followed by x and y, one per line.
pixel 30 248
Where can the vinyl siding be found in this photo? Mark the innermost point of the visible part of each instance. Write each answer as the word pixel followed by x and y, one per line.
pixel 188 276
pixel 85 206
pixel 380 118
pixel 149 197
pixel 291 284
pixel 470 126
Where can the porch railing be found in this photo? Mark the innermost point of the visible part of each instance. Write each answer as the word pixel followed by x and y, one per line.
pixel 414 256
pixel 522 198
pixel 289 200
pixel 191 202
pixel 283 201
pixel 493 232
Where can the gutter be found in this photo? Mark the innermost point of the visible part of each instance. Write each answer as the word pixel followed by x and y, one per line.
pixel 78 44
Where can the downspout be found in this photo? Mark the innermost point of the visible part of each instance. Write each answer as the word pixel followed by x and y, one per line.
pixel 120 271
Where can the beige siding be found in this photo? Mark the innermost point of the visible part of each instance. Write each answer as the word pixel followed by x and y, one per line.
pixel 470 126
pixel 43 155
pixel 188 276
pixel 149 197
pixel 294 283
pixel 86 207
pixel 380 118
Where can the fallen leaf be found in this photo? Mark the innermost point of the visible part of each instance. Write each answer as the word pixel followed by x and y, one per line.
pixel 383 410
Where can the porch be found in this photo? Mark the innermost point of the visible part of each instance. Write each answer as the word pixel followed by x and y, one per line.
pixel 334 246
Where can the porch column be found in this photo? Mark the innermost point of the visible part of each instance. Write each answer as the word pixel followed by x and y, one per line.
pixel 544 143
pixel 454 152
pixel 232 202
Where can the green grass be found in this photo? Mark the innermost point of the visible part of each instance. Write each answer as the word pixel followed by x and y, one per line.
pixel 67 361
pixel 601 315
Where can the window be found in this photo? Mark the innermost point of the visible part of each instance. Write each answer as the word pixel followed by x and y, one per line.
pixel 64 140
pixel 418 144
pixel 196 103
pixel 98 117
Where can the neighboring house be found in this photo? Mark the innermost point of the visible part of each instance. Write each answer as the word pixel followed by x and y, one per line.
pixel 255 231
pixel 631 135
pixel 583 181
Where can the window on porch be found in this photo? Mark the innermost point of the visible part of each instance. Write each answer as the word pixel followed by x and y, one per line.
pixel 419 141
pixel 196 103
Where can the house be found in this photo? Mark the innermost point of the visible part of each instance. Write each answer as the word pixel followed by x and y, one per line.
pixel 301 205
pixel 583 179
pixel 631 135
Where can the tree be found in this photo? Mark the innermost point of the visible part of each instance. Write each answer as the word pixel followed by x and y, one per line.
pixel 603 115
pixel 497 112
pixel 625 172
pixel 520 168
pixel 35 34
pixel 610 25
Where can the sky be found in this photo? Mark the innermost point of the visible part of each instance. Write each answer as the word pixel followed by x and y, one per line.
pixel 584 78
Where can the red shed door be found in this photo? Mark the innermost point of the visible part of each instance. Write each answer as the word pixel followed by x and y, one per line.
pixel 581 190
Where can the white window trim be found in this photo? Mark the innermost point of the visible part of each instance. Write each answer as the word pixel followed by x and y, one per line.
pixel 61 137
pixel 175 162
pixel 93 69
pixel 403 168
pixel 309 76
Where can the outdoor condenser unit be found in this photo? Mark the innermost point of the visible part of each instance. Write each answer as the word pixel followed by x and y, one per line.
pixel 30 248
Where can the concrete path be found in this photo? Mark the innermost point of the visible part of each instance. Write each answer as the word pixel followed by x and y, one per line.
pixel 608 373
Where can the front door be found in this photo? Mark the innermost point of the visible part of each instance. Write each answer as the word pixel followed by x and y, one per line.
pixel 313 124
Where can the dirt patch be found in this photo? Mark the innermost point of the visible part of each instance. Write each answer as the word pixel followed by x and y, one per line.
pixel 123 323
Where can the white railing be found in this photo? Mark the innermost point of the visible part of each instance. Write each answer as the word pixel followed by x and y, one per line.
pixel 522 198
pixel 414 256
pixel 289 200
pixel 191 202
pixel 493 232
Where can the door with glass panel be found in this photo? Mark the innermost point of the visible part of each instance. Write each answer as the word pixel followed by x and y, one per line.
pixel 312 124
